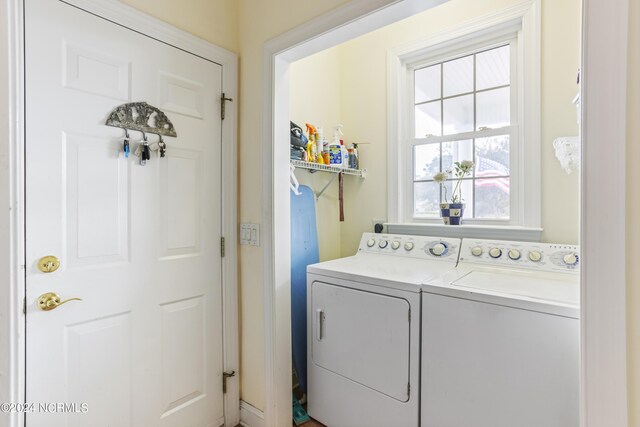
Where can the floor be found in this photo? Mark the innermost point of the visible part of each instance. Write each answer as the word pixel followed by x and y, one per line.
pixel 311 423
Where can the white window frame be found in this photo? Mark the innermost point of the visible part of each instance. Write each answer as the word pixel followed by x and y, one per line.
pixel 520 23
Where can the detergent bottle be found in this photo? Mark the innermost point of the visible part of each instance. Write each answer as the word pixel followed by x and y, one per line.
pixel 335 149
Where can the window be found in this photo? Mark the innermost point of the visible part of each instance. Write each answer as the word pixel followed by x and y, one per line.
pixel 471 92
pixel 462 111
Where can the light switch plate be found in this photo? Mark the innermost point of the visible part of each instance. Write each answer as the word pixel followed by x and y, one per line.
pixel 250 234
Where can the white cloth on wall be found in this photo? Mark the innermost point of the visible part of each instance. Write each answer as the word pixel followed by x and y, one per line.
pixel 568 152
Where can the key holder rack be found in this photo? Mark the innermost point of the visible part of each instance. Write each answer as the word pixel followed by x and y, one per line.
pixel 145 118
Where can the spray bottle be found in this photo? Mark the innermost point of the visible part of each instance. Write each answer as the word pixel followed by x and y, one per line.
pixel 311 145
pixel 335 149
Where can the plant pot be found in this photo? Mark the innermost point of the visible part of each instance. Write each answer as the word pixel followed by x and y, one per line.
pixel 451 213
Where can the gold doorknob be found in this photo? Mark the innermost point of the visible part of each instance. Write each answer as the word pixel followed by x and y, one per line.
pixel 51 300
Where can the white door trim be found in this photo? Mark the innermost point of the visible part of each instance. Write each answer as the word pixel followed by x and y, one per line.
pixel 355 18
pixel 603 234
pixel 12 342
pixel 604 371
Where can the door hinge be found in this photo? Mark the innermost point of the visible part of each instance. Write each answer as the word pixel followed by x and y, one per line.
pixel 408 389
pixel 226 375
pixel 223 103
pixel 222 248
pixel 24 305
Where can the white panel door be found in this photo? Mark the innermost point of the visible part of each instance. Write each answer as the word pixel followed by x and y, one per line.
pixel 140 245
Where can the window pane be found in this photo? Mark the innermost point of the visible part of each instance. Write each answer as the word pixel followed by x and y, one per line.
pixel 428 119
pixel 456 151
pixel 426 161
pixel 458 76
pixel 492 198
pixel 426 199
pixel 427 84
pixel 466 191
pixel 492 156
pixel 492 68
pixel 493 108
pixel 458 114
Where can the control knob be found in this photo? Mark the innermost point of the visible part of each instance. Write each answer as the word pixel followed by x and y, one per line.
pixel 535 256
pixel 395 245
pixel 371 242
pixel 514 254
pixel 476 251
pixel 438 249
pixel 570 259
pixel 408 246
pixel 495 252
pixel 383 244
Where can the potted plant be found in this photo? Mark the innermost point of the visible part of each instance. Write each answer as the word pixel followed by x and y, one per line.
pixel 452 211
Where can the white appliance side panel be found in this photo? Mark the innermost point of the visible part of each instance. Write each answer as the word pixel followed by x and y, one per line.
pixel 362 336
pixel 493 366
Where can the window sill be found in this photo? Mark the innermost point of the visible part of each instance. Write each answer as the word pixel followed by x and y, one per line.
pixel 526 234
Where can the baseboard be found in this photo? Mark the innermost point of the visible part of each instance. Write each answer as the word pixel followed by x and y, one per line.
pixel 250 416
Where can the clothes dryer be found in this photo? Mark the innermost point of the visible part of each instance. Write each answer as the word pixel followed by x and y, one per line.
pixel 364 330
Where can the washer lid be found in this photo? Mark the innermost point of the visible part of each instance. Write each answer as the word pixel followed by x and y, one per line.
pixel 383 270
pixel 564 289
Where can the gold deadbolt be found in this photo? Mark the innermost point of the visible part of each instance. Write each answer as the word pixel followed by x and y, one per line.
pixel 51 300
pixel 48 264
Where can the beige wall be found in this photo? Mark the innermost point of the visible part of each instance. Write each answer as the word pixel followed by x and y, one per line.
pixel 215 21
pixel 317 101
pixel 260 21
pixel 633 207
pixel 364 109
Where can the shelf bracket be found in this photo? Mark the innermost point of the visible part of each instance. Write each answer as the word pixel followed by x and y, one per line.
pixel 333 178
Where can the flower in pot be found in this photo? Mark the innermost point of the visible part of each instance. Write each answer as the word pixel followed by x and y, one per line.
pixel 451 211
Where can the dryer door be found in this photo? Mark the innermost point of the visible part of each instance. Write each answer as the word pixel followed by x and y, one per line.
pixel 362 336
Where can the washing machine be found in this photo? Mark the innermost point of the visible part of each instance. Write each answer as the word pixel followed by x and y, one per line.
pixel 364 330
pixel 500 338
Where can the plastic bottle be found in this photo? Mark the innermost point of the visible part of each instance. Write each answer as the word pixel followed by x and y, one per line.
pixel 335 149
pixel 355 162
pixel 325 151
pixel 319 140
pixel 345 154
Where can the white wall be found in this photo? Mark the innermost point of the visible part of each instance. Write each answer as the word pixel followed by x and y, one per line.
pixel 363 106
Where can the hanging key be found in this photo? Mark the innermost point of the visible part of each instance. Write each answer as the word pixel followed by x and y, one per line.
pixel 163 147
pixel 145 153
pixel 125 144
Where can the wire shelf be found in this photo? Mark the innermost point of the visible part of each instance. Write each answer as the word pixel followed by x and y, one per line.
pixel 312 167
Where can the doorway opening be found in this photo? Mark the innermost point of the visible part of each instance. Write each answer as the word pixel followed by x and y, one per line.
pixel 280 54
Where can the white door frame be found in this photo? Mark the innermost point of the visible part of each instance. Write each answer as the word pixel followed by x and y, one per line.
pixel 604 69
pixel 12 169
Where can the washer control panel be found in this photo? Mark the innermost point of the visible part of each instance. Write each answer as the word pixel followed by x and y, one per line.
pixel 424 247
pixel 539 256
